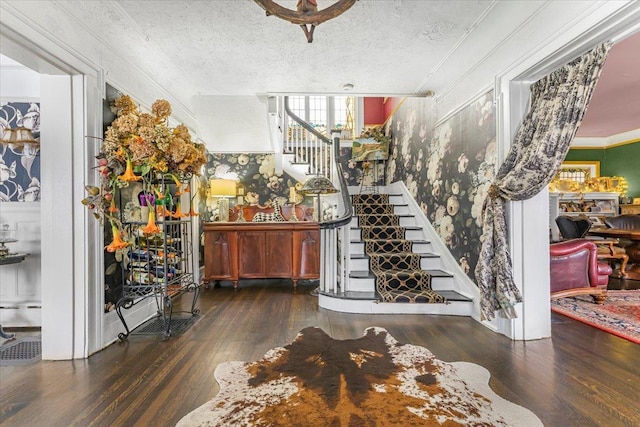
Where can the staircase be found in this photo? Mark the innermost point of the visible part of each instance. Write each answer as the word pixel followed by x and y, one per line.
pixel 399 273
pixel 426 286
pixel 384 258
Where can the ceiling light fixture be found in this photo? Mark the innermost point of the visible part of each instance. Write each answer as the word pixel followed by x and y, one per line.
pixel 348 87
pixel 306 14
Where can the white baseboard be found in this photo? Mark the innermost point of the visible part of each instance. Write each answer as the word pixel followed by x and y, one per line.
pixel 455 308
pixel 135 316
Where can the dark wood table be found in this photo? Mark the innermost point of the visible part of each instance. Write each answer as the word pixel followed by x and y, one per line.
pixel 6 260
pixel 633 249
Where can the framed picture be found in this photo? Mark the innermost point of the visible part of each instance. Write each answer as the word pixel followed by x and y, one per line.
pixel 578 171
pixel 369 149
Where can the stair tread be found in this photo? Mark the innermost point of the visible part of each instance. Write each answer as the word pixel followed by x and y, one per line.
pixel 406 227
pixel 407 215
pixel 365 274
pixel 422 254
pixel 394 204
pixel 390 194
pixel 412 240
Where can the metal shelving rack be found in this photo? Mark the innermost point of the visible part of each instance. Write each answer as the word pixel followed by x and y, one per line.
pixel 159 266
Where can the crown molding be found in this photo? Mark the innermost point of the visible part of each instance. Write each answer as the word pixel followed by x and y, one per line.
pixel 608 141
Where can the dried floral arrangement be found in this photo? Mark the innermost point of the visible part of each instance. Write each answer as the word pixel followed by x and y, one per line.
pixel 141 147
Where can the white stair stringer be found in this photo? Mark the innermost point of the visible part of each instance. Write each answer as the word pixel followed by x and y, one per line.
pixel 300 172
pixel 359 292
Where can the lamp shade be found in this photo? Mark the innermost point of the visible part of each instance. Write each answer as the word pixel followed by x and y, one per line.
pixel 222 188
pixel 19 135
pixel 318 185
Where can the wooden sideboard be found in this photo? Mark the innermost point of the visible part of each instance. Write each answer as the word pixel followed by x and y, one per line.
pixel 234 251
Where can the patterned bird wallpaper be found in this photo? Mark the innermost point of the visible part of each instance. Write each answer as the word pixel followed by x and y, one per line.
pixel 20 165
pixel 447 168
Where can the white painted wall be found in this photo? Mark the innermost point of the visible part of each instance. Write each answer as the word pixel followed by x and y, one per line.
pixel 17 83
pixel 234 124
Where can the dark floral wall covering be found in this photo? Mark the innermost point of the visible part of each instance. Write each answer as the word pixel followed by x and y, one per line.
pixel 20 165
pixel 354 173
pixel 447 169
pixel 256 172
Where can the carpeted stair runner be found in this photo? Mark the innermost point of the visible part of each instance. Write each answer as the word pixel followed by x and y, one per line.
pixel 396 268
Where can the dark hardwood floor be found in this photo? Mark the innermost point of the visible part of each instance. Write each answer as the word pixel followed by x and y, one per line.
pixel 580 377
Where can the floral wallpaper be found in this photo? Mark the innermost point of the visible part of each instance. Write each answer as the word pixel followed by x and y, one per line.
pixel 354 172
pixel 256 172
pixel 20 165
pixel 448 169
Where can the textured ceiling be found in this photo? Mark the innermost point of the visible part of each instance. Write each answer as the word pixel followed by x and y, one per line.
pixel 383 47
pixel 222 47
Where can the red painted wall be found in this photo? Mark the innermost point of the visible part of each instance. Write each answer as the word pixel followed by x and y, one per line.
pixel 391 105
pixel 378 109
pixel 374 111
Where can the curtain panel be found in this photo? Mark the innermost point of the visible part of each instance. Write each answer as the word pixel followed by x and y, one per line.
pixel 558 104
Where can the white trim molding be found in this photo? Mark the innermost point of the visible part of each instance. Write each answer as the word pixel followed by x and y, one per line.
pixel 607 141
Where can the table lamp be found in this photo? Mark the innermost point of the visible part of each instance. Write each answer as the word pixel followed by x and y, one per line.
pixel 318 185
pixel 223 189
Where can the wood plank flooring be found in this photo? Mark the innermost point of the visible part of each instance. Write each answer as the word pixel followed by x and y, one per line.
pixel 580 377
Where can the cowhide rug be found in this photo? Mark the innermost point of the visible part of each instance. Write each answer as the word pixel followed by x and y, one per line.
pixel 370 381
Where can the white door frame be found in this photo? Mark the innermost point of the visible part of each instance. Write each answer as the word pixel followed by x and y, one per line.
pixel 72 273
pixel 528 220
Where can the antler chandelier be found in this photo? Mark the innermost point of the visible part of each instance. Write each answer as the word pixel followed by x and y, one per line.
pixel 306 14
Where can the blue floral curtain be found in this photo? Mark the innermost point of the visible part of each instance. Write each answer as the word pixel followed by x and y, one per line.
pixel 558 104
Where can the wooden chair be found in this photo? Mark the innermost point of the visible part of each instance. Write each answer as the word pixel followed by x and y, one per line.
pixel 608 249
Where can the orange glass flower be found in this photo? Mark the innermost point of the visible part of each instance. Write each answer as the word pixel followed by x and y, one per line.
pixel 160 197
pixel 117 242
pixel 178 185
pixel 167 213
pixel 112 206
pixel 151 227
pixel 128 174
pixel 178 213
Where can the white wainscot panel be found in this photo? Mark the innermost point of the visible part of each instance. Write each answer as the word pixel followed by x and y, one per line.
pixel 20 284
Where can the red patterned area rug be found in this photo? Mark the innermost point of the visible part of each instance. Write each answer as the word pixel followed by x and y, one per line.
pixel 370 381
pixel 619 315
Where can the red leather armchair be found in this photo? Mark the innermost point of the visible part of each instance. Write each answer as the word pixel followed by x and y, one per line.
pixel 575 270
